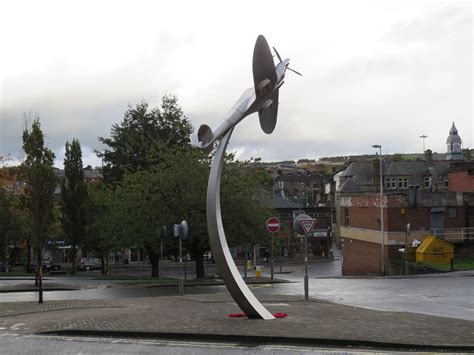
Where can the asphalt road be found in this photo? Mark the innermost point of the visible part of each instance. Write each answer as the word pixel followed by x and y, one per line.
pixel 444 295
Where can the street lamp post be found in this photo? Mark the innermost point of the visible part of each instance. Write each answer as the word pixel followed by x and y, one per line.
pixel 381 208
pixel 423 137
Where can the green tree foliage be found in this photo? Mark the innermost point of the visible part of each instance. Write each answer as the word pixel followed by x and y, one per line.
pixel 246 193
pixel 102 229
pixel 138 142
pixel 38 173
pixel 175 189
pixel 73 198
pixel 158 179
pixel 9 223
pixel 137 145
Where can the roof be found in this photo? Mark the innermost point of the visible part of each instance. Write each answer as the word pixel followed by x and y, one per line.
pixel 453 135
pixel 349 185
pixel 92 174
pixel 279 202
pixel 89 173
pixel 362 176
pixel 303 177
pixel 396 170
pixel 360 172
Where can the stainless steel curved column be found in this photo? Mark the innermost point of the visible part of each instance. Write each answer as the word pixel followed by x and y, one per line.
pixel 225 264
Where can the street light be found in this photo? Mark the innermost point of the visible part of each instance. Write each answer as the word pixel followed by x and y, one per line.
pixel 423 137
pixel 381 207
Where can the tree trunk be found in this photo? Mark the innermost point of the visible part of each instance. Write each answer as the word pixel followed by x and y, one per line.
pixel 107 262
pixel 35 256
pixel 154 259
pixel 197 256
pixel 40 275
pixel 28 256
pixel 102 264
pixel 73 257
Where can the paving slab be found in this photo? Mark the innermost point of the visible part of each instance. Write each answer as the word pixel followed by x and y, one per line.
pixel 206 317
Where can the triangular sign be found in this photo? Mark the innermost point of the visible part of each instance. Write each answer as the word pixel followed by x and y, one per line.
pixel 307 225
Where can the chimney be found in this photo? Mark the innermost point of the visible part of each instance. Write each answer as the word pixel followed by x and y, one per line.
pixel 467 154
pixel 429 157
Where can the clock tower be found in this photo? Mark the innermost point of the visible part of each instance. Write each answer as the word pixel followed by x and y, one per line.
pixel 454 144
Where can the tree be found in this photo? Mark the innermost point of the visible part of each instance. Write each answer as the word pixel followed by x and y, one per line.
pixel 184 194
pixel 137 145
pixel 137 212
pixel 38 173
pixel 246 193
pixel 11 178
pixel 158 179
pixel 73 198
pixel 138 142
pixel 9 225
pixel 102 228
pixel 164 195
pixel 167 194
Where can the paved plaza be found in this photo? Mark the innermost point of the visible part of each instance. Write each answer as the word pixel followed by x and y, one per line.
pixel 205 317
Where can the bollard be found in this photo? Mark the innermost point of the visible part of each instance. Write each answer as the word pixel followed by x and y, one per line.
pixel 258 271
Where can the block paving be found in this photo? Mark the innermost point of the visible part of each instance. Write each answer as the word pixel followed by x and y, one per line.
pixel 206 315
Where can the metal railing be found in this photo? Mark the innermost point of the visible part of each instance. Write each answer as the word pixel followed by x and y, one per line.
pixel 454 234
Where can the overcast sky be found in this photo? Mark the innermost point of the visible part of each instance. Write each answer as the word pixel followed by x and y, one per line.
pixel 374 72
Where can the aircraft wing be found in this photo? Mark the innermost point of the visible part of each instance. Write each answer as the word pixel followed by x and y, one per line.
pixel 264 74
pixel 268 113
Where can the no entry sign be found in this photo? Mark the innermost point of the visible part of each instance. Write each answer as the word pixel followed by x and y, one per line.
pixel 273 224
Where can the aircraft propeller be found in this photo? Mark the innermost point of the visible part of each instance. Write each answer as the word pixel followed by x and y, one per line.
pixel 287 67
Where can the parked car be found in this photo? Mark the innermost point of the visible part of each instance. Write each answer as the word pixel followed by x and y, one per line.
pixel 89 263
pixel 5 266
pixel 46 265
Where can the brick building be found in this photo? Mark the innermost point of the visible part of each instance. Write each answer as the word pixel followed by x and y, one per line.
pixel 320 240
pixel 433 196
pixel 306 189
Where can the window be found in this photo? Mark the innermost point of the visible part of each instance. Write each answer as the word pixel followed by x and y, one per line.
pixel 446 183
pixel 414 196
pixel 452 212
pixel 427 182
pixel 403 183
pixel 346 217
pixel 390 183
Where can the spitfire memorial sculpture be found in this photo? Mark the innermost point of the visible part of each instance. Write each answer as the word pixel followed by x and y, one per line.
pixel 262 98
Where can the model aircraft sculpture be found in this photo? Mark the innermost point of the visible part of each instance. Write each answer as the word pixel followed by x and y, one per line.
pixel 262 98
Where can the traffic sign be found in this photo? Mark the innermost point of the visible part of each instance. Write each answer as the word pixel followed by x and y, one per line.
pixel 273 224
pixel 183 230
pixel 176 228
pixel 307 225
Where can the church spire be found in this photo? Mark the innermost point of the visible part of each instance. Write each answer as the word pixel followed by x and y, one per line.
pixel 454 144
pixel 453 129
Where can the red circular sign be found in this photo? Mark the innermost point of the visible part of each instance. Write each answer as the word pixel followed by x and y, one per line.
pixel 273 224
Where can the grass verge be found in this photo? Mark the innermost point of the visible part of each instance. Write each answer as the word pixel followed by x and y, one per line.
pixel 459 265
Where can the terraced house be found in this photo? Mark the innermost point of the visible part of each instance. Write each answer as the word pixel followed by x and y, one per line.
pixel 435 197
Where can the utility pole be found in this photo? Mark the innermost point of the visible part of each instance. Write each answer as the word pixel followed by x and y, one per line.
pixel 423 137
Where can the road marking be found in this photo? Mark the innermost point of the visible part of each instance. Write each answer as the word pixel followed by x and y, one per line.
pixel 16 326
